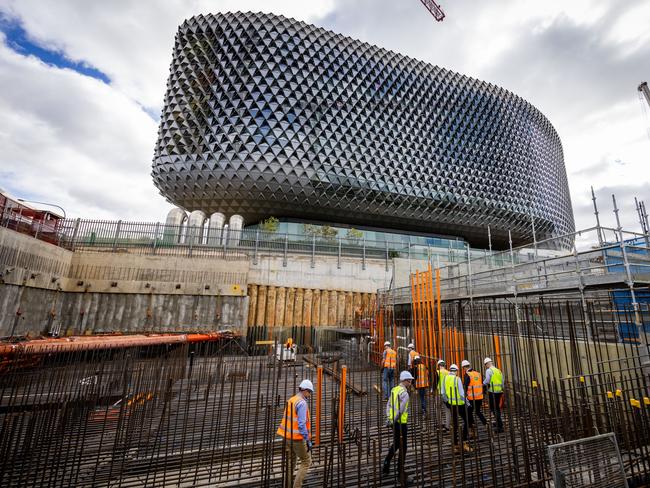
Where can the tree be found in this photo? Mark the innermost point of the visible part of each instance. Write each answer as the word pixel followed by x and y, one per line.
pixel 310 230
pixel 270 224
pixel 328 232
pixel 354 234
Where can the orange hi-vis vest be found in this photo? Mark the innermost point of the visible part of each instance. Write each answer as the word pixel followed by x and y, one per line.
pixel 422 380
pixel 289 424
pixel 413 355
pixel 391 359
pixel 475 388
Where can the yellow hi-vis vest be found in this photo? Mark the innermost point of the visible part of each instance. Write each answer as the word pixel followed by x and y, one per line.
pixel 289 424
pixel 394 405
pixel 496 381
pixel 422 380
pixel 451 389
pixel 475 388
pixel 442 374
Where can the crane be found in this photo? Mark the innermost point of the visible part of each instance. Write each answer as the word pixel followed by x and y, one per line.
pixel 436 11
pixel 643 88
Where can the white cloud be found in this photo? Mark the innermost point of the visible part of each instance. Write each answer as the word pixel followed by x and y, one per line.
pixel 73 140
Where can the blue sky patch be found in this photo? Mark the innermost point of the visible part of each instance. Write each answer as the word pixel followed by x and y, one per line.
pixel 19 40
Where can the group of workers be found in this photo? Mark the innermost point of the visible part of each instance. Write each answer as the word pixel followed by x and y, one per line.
pixel 462 397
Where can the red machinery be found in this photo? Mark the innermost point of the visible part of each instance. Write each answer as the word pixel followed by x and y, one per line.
pixel 41 224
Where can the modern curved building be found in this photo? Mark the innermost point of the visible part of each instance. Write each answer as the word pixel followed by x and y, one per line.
pixel 267 116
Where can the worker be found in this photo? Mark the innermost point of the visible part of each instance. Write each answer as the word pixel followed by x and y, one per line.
pixel 289 343
pixel 494 383
pixel 412 355
pixel 389 363
pixel 454 398
pixel 295 428
pixel 441 365
pixel 397 413
pixel 473 383
pixel 421 382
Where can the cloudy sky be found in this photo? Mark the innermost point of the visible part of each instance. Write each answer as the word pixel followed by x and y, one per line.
pixel 82 84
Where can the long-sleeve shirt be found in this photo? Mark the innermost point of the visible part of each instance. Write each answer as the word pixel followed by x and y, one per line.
pixel 459 386
pixel 488 377
pixel 301 413
pixel 466 380
pixel 403 403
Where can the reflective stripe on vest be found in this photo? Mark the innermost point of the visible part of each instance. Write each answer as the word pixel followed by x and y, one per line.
pixel 475 388
pixel 391 359
pixel 289 424
pixel 451 389
pixel 442 374
pixel 394 405
pixel 422 380
pixel 496 381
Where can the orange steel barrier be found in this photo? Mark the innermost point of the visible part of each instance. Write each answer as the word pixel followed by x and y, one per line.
pixel 342 391
pixel 90 343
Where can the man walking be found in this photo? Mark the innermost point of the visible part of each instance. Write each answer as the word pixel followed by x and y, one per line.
pixel 421 382
pixel 389 363
pixel 440 385
pixel 473 383
pixel 397 413
pixel 454 398
pixel 412 355
pixel 494 384
pixel 295 428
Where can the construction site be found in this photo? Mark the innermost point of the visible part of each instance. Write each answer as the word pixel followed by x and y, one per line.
pixel 176 354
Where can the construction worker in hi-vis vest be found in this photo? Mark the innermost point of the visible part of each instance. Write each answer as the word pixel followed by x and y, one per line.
pixel 397 414
pixel 295 428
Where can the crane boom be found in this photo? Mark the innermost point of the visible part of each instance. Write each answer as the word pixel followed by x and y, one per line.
pixel 643 88
pixel 434 8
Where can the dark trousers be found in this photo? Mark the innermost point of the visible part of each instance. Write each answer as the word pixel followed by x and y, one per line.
pixel 494 399
pixel 458 411
pixel 399 444
pixel 422 392
pixel 475 408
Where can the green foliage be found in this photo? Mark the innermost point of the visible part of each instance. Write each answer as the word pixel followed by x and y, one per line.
pixel 270 224
pixel 393 253
pixel 310 230
pixel 326 231
pixel 354 234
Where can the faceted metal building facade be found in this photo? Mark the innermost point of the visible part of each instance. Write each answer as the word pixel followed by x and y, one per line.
pixel 265 116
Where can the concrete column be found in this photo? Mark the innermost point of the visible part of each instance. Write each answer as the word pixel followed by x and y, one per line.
pixel 297 309
pixel 306 313
pixel 324 307
pixel 340 309
pixel 331 311
pixel 235 226
pixel 315 307
pixel 260 318
pixel 280 305
pixel 349 310
pixel 270 306
pixel 215 229
pixel 288 316
pixel 252 305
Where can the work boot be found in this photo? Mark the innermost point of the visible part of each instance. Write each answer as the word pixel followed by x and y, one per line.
pixel 467 447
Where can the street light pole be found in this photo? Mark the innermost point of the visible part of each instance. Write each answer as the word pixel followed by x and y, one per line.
pixel 45 203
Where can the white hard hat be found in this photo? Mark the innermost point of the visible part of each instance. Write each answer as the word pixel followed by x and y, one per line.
pixel 387 343
pixel 487 360
pixel 453 367
pixel 306 385
pixel 465 363
pixel 405 375
pixel 440 361
pixel 411 346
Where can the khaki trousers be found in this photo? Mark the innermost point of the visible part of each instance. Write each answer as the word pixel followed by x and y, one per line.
pixel 296 450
